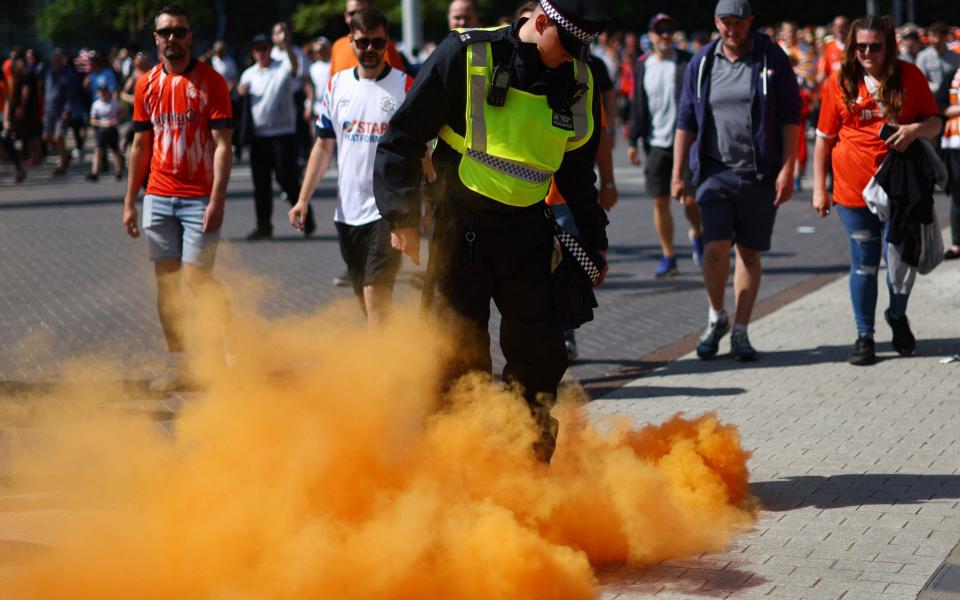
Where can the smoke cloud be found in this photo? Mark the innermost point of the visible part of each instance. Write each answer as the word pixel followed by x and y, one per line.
pixel 323 466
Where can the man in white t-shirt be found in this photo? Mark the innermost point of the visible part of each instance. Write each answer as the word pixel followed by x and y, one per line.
pixel 319 75
pixel 357 105
pixel 269 84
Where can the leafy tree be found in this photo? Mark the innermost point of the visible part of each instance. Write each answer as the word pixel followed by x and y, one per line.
pixel 106 21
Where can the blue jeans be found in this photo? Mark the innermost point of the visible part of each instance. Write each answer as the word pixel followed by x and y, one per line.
pixel 867 244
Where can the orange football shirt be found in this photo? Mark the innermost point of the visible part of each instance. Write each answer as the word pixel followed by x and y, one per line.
pixel 182 110
pixel 859 151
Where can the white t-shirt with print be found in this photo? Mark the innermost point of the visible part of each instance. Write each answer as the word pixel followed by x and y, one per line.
pixel 356 112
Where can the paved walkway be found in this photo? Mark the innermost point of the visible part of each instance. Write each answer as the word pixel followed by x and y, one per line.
pixel 858 469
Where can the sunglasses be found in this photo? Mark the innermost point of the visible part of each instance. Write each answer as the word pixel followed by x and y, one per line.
pixel 353 12
pixel 663 31
pixel 873 48
pixel 177 32
pixel 363 43
pixel 261 48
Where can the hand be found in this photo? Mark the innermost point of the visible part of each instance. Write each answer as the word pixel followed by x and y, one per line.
pixel 308 114
pixel 603 271
pixel 213 216
pixel 407 241
pixel 821 202
pixel 633 155
pixel 243 89
pixel 130 219
pixel 784 185
pixel 678 189
pixel 903 137
pixel 298 214
pixel 608 197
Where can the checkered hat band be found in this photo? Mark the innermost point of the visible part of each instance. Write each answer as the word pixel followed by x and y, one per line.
pixel 572 245
pixel 509 168
pixel 570 27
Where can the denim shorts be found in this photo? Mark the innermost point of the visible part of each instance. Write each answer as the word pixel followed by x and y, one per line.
pixel 174 230
pixel 738 207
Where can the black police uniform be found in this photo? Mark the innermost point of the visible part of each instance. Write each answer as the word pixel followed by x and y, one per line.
pixel 481 248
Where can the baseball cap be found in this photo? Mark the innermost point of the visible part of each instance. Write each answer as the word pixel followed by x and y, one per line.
pixel 260 39
pixel 733 8
pixel 660 18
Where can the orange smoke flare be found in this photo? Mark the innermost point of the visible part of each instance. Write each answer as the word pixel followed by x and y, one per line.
pixel 320 467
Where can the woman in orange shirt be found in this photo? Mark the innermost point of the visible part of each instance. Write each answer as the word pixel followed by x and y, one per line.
pixel 871 89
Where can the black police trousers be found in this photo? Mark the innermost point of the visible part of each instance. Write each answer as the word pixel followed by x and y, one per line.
pixel 504 256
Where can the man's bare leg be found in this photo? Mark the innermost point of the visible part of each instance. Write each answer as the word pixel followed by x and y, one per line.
pixel 716 271
pixel 378 301
pixel 663 223
pixel 692 212
pixel 170 302
pixel 746 283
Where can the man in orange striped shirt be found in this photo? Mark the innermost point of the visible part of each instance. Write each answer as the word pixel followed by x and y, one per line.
pixel 182 119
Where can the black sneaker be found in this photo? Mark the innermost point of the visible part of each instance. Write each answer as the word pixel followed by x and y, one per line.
pixel 710 340
pixel 92 177
pixel 259 234
pixel 740 348
pixel 864 352
pixel 903 341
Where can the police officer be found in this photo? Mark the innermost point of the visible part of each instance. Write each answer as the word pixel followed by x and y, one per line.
pixel 512 106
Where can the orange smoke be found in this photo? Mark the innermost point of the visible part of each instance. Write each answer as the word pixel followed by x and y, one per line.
pixel 320 467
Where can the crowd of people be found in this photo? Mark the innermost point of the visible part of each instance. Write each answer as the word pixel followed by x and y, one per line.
pixel 720 121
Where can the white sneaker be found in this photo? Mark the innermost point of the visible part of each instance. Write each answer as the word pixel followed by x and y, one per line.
pixel 172 376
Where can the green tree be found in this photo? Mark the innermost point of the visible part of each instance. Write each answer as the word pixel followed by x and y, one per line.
pixel 106 21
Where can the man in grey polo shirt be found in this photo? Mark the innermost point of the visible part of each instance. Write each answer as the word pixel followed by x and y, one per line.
pixel 739 126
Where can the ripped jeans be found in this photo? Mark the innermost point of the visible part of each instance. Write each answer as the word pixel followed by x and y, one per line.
pixel 867 235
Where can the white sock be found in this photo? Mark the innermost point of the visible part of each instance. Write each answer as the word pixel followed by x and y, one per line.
pixel 716 315
pixel 739 327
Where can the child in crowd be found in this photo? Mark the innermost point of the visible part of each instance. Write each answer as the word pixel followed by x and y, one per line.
pixel 105 116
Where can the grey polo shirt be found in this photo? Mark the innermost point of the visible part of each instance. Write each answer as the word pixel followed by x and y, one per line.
pixel 727 134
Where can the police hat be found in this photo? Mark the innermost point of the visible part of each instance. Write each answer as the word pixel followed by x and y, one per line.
pixel 578 23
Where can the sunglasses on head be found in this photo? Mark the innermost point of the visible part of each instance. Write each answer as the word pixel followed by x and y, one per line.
pixel 363 43
pixel 663 31
pixel 177 32
pixel 862 48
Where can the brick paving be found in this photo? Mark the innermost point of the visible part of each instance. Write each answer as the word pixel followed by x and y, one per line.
pixel 857 469
pixel 74 284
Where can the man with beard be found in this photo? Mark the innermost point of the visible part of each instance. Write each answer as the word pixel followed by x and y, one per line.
pixel 270 86
pixel 739 122
pixel 182 120
pixel 354 112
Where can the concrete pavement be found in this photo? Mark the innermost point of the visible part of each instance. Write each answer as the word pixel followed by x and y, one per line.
pixel 857 468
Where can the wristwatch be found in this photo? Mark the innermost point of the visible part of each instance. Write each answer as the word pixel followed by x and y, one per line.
pixel 608 185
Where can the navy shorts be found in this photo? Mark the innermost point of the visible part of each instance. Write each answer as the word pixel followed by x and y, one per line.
pixel 737 206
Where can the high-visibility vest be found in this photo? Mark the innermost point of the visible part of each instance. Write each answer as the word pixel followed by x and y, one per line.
pixel 510 152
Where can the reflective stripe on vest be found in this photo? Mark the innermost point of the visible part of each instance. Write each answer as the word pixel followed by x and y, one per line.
pixel 510 156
